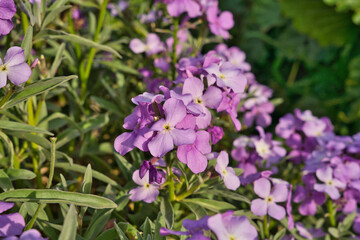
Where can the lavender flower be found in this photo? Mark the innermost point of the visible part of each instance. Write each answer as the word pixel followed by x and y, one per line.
pixel 194 155
pixel 177 7
pixel 10 224
pixel 145 192
pixel 167 132
pixel 331 184
pixel 154 175
pixel 227 226
pixel 227 173
pixel 267 205
pixel 152 46
pixel 216 133
pixel 7 12
pixel 14 67
pixel 219 25
pixel 31 234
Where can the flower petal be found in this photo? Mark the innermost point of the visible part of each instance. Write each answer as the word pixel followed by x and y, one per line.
pixel 183 136
pixel 196 161
pixel 5 26
pixel 324 174
pixel 262 187
pixel 11 224
pixel 280 192
pixel 276 211
pixel 161 144
pixel 137 46
pixel 3 79
pixel 258 207
pixel 14 56
pixel 19 74
pixel 4 206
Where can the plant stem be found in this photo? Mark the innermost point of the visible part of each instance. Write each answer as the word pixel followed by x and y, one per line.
pixel 8 94
pixel 52 161
pixel 72 31
pixel 331 213
pixel 187 193
pixel 171 185
pixel 85 76
pixel 294 71
pixel 266 227
pixel 174 57
pixel 48 185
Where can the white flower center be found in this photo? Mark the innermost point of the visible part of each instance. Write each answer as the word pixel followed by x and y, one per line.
pixel 262 148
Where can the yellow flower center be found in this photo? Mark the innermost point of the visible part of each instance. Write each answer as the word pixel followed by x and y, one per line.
pixel 329 182
pixel 199 101
pixel 222 76
pixel 147 185
pixel 269 199
pixel 3 68
pixel 167 127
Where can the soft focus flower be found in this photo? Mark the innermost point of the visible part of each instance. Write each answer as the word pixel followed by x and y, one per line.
pixel 31 234
pixel 152 46
pixel 7 12
pixel 145 192
pixel 10 224
pixel 216 133
pixel 331 184
pixel 177 7
pixel 219 25
pixel 115 9
pixel 14 67
pixel 227 226
pixel 227 173
pixel 309 233
pixel 267 205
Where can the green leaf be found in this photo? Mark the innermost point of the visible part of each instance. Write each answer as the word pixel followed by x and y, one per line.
pixel 20 174
pixel 158 224
pixel 87 182
pixel 27 42
pixel 320 21
pixel 10 147
pixel 22 127
pixel 227 194
pixel 5 182
pixel 86 126
pixel 120 233
pixel 213 205
pixel 198 210
pixel 81 169
pixel 110 106
pixel 126 168
pixel 119 66
pixel 27 11
pixel 97 223
pixel 167 211
pixel 51 34
pixel 53 14
pixel 334 232
pixel 68 231
pixel 36 88
pixel 348 222
pixel 279 235
pixel 146 227
pixel 39 140
pixel 57 196
pixel 57 60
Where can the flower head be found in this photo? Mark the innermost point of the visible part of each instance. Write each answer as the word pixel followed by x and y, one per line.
pixel 146 191
pixel 10 224
pixel 14 66
pixel 267 205
pixel 227 173
pixel 7 12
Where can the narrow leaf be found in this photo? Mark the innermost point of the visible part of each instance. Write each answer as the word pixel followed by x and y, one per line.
pixel 22 127
pixel 68 231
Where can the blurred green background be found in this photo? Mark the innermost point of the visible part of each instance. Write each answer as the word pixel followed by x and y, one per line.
pixel 308 51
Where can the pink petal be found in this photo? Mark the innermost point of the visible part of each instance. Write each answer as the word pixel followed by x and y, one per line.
pixel 137 46
pixel 280 192
pixel 19 74
pixel 259 207
pixel 5 26
pixel 226 20
pixel 161 144
pixel 183 136
pixel 262 187
pixel 276 211
pixel 324 174
pixel 196 161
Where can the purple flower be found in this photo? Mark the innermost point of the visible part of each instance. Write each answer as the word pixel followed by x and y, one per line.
pixel 152 46
pixel 167 133
pixel 289 209
pixel 145 192
pixel 31 234
pixel 331 184
pixel 154 175
pixel 227 226
pixel 260 114
pixel 7 12
pixel 219 25
pixel 194 155
pixel 10 224
pixel 267 205
pixel 115 9
pixel 227 173
pixel 177 7
pixel 162 64
pixel 227 75
pixel 308 197
pixel 216 133
pixel 14 66
pixel 309 233
pixel 35 1
pixel 229 103
pixel 211 99
pixel 356 225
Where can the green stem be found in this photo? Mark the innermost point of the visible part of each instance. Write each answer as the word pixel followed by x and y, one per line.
pixel 187 193
pixel 8 94
pixel 86 73
pixel 266 227
pixel 174 57
pixel 32 221
pixel 171 185
pixel 72 31
pixel 52 161
pixel 294 71
pixel 331 213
